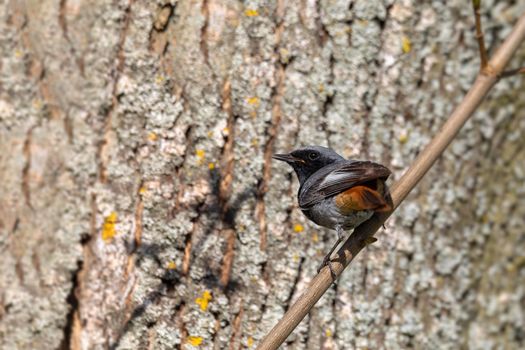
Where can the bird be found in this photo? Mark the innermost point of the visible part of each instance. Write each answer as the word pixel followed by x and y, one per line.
pixel 335 192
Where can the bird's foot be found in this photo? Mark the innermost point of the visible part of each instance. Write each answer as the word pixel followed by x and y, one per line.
pixel 327 261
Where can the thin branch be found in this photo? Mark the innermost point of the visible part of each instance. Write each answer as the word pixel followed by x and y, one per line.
pixel 476 4
pixel 512 72
pixel 359 238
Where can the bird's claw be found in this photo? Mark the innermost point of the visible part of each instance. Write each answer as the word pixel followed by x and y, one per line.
pixel 327 261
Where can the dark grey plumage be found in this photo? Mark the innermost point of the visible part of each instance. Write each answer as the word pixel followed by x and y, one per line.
pixel 324 175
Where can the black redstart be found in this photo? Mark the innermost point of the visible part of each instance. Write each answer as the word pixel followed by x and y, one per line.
pixel 335 192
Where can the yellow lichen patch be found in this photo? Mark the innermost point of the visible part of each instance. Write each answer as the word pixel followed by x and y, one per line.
pixel 211 166
pixel 298 228
pixel 171 265
pixel 200 155
pixel 284 55
pixel 403 138
pixel 251 12
pixel 328 333
pixel 210 133
pixel 108 229
pixel 296 258
pixel 226 131
pixel 195 341
pixel 152 136
pixel 406 45
pixel 249 342
pixel 315 237
pixel 255 142
pixel 142 190
pixel 159 79
pixel 254 101
pixel 203 300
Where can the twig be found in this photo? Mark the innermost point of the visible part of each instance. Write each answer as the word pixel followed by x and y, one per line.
pixel 476 4
pixel 485 66
pixel 512 72
pixel 357 241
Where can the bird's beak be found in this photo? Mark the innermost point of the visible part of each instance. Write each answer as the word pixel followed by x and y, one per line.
pixel 288 158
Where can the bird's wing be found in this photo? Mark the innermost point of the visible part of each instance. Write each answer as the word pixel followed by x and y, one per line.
pixel 332 180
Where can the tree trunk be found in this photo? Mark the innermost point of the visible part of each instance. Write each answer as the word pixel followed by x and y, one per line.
pixel 140 207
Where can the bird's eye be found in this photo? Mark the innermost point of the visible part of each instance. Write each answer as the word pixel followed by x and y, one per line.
pixel 313 156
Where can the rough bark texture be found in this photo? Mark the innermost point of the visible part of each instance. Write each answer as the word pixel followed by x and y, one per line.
pixel 140 208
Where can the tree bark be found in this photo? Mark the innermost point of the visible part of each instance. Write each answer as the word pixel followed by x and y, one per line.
pixel 140 208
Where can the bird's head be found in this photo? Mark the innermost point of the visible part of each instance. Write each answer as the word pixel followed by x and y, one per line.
pixel 307 160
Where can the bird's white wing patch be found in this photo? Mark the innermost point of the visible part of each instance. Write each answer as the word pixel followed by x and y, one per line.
pixel 333 177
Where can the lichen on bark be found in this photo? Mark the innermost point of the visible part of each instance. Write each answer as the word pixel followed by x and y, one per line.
pixel 140 208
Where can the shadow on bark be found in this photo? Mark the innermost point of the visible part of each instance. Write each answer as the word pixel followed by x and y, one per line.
pixel 219 211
